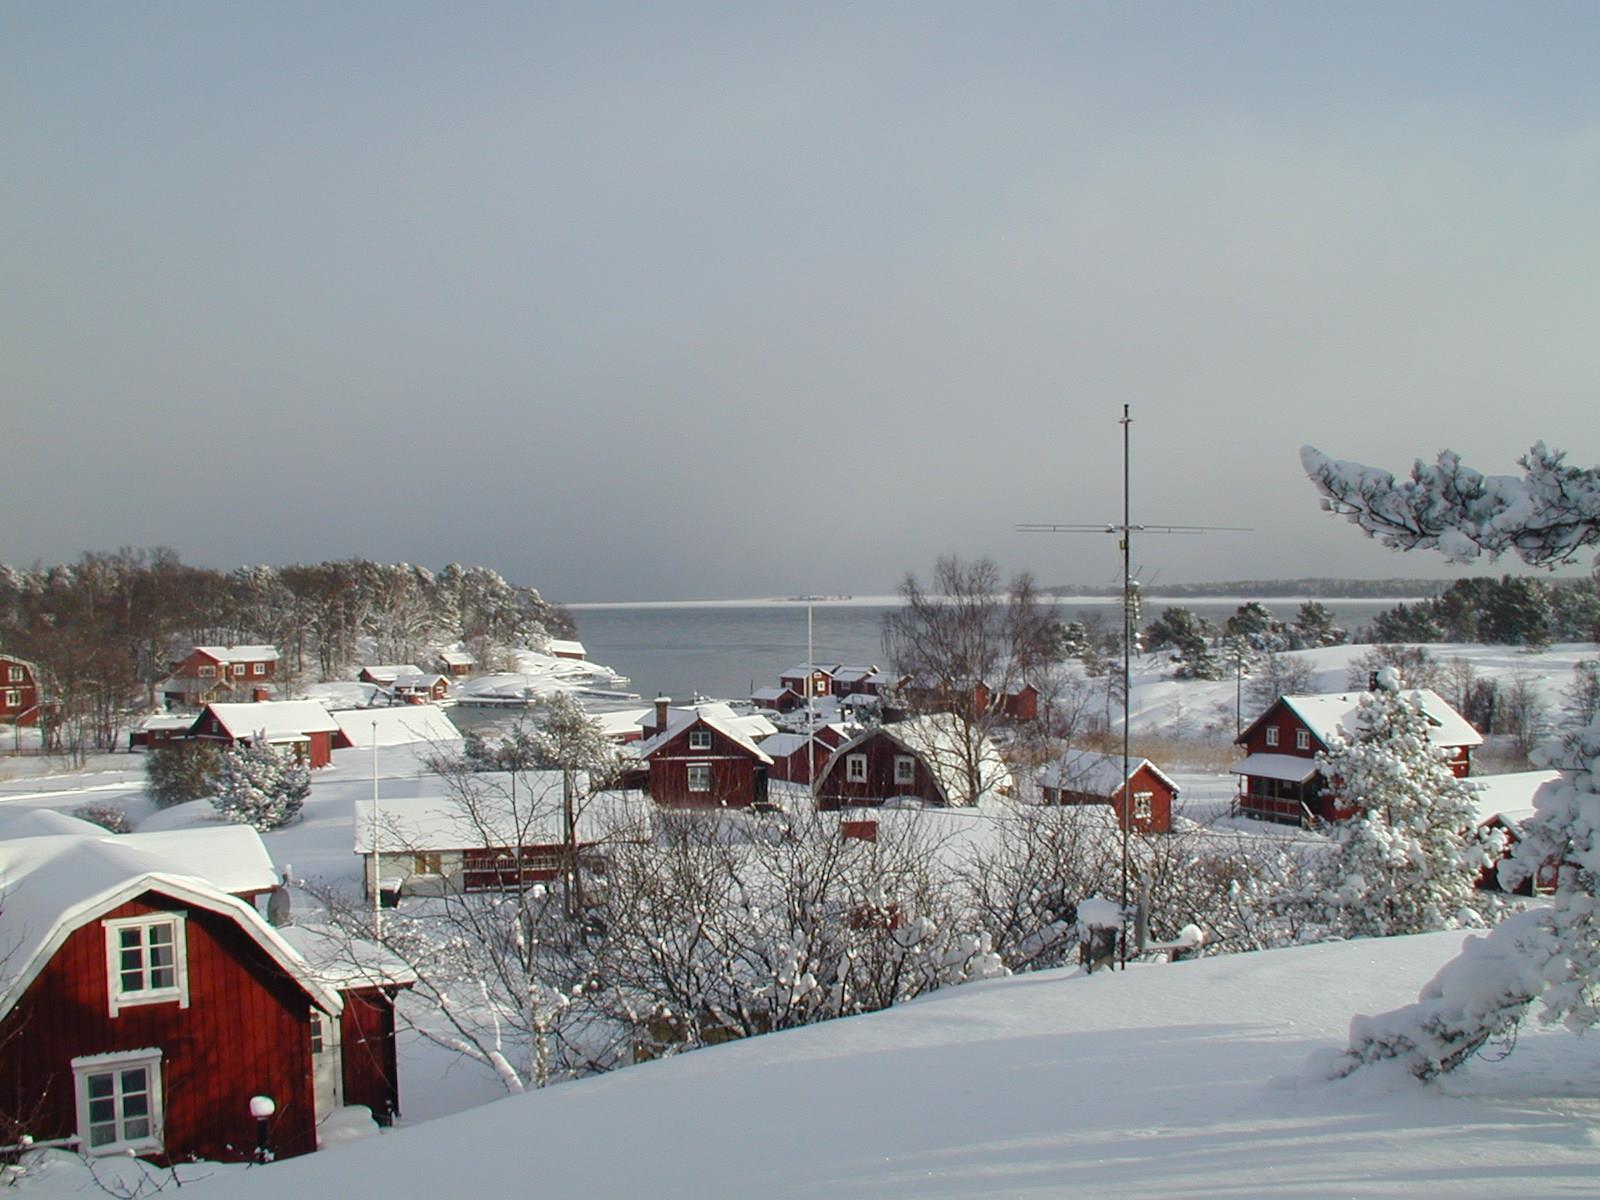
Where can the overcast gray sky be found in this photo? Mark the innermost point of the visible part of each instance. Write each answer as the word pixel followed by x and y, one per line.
pixel 654 301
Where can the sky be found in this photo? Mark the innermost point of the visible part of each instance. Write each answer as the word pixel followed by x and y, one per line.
pixel 678 300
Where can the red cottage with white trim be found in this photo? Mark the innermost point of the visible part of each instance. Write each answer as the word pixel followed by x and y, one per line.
pixel 19 691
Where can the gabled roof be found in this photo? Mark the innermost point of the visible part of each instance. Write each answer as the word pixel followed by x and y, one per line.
pixel 1332 715
pixel 278 719
pixel 232 654
pixel 782 745
pixel 232 857
pixel 939 739
pixel 854 674
pixel 391 670
pixel 1510 797
pixel 55 885
pixel 808 669
pixel 457 658
pixel 395 726
pixel 419 679
pixel 1096 774
pixel 566 646
pixel 343 962
pixel 735 729
pixel 774 693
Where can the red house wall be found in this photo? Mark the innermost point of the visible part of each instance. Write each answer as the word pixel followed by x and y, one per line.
pixel 246 1032
pixel 835 791
pixel 366 1034
pixel 1144 780
pixel 26 710
pixel 738 780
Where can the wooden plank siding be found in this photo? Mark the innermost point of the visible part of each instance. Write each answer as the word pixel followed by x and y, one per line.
pixel 738 778
pixel 835 790
pixel 371 1072
pixel 246 1032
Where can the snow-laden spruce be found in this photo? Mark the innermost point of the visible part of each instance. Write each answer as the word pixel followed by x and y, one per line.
pixel 1408 858
pixel 1547 956
pixel 260 787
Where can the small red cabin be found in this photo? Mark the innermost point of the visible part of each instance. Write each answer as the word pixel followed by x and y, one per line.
pixel 1085 777
pixel 931 759
pixel 809 679
pixel 421 688
pixel 697 759
pixel 301 726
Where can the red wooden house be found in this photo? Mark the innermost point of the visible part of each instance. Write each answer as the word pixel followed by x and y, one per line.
pixel 1085 777
pixel 384 674
pixel 793 761
pixel 301 726
pixel 1505 802
pixel 229 673
pixel 19 691
pixel 455 663
pixel 931 759
pixel 777 699
pixel 809 679
pixel 142 1008
pixel 421 688
pixel 1279 779
pixel 697 758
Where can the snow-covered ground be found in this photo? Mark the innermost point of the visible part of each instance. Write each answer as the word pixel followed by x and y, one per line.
pixel 1183 1080
pixel 1192 1080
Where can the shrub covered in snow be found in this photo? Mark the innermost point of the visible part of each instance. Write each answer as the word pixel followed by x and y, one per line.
pixel 259 787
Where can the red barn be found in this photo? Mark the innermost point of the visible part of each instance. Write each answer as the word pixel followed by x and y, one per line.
pixel 1279 776
pixel 925 759
pixel 1084 777
pixel 19 691
pixel 699 758
pixel 301 725
pixel 142 1009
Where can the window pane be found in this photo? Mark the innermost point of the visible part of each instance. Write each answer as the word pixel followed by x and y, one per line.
pixel 134 1081
pixel 102 1135
pixel 99 1085
pixel 102 1111
pixel 135 1128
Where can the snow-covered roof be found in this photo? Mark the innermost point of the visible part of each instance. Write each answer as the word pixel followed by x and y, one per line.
pixel 179 721
pixel 231 857
pixel 278 719
pixel 1510 797
pixel 782 745
pixel 1330 716
pixel 773 693
pixel 395 726
pixel 231 654
pixel 567 646
pixel 391 670
pixel 419 680
pixel 854 674
pixel 808 669
pixel 447 822
pixel 342 962
pixel 719 717
pixel 940 740
pixel 54 885
pixel 457 658
pixel 620 723
pixel 1288 767
pixel 1096 774
pixel 44 822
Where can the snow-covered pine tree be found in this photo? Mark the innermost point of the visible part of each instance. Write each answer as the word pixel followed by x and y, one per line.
pixel 1548 955
pixel 259 787
pixel 1407 860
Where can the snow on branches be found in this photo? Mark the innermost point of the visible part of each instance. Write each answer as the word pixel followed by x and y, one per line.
pixel 1407 859
pixel 1544 516
pixel 259 787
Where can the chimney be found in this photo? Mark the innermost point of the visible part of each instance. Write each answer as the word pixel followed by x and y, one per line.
pixel 661 713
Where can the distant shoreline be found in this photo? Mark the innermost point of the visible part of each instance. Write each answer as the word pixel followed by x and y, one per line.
pixel 892 601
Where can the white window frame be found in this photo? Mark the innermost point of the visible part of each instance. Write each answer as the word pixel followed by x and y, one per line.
pixel 13 698
pixel 1302 739
pixel 118 997
pixel 1272 735
pixel 855 768
pixel 699 739
pixel 905 768
pixel 14 674
pixel 698 772
pixel 238 670
pixel 258 668
pixel 114 1065
pixel 1141 805
pixel 206 671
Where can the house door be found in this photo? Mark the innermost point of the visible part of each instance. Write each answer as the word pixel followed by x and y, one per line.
pixel 326 1073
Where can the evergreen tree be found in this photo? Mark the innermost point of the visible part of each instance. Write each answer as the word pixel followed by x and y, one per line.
pixel 1255 623
pixel 186 770
pixel 1409 857
pixel 1314 627
pixel 259 787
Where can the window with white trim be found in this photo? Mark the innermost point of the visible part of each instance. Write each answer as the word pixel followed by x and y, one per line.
pixel 1302 739
pixel 206 671
pixel 14 674
pixel 146 961
pixel 1141 806
pixel 699 777
pixel 119 1102
pixel 905 768
pixel 1272 735
pixel 258 668
pixel 13 698
pixel 238 669
pixel 699 739
pixel 316 1032
pixel 855 768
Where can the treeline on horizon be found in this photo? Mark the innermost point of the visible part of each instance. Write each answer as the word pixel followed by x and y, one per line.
pixel 103 630
pixel 1315 587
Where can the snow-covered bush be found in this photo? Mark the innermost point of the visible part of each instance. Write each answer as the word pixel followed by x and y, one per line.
pixel 108 816
pixel 259 787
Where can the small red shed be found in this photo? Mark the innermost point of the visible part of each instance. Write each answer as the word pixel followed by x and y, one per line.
pixel 1086 777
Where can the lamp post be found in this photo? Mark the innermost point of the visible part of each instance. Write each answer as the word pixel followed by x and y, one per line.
pixel 262 1108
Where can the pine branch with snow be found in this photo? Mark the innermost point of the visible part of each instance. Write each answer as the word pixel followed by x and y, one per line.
pixel 259 787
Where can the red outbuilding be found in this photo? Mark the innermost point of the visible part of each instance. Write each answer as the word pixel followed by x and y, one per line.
pixel 1085 777
pixel 935 759
pixel 301 726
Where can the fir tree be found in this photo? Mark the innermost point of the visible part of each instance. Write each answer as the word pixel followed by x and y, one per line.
pixel 1408 859
pixel 259 787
